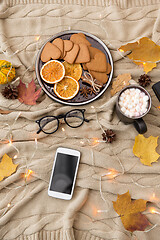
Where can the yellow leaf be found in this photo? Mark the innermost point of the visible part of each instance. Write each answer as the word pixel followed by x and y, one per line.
pixel 143 52
pixel 144 148
pixel 130 212
pixel 7 167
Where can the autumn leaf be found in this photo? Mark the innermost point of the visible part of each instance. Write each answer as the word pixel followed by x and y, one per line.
pixel 130 212
pixel 120 82
pixel 7 167
pixel 143 52
pixel 144 148
pixel 28 95
pixel 4 111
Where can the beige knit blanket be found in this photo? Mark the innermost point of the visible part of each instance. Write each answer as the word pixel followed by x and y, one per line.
pixel 26 210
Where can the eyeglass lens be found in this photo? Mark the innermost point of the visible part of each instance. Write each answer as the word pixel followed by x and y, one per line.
pixel 49 124
pixel 74 118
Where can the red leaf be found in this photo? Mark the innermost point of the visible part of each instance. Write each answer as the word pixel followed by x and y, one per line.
pixel 28 95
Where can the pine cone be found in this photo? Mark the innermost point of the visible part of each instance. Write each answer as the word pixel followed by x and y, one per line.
pixel 109 136
pixel 144 80
pixel 10 92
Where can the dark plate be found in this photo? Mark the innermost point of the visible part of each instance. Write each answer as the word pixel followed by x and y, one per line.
pixel 78 99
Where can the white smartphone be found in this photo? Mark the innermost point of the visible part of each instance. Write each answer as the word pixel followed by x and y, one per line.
pixel 64 173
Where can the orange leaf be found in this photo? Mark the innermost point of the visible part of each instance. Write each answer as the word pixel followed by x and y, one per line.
pixel 144 148
pixel 130 212
pixel 7 167
pixel 120 82
pixel 143 52
pixel 28 95
pixel 4 111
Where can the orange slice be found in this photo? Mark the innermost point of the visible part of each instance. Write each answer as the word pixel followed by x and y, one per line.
pixel 67 88
pixel 52 71
pixel 73 70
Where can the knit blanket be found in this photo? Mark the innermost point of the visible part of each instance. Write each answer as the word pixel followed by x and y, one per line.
pixel 26 210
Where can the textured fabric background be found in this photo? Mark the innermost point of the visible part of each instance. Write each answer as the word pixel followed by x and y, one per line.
pixel 33 215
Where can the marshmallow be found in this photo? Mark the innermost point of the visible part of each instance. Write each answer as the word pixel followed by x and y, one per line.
pixel 133 102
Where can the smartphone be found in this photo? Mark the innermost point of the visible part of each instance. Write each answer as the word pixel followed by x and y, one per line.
pixel 64 173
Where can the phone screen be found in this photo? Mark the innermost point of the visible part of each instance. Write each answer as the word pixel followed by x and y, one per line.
pixel 64 172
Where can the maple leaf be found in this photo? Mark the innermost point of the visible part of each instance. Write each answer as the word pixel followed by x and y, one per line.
pixel 120 82
pixel 28 95
pixel 130 212
pixel 144 148
pixel 7 167
pixel 143 52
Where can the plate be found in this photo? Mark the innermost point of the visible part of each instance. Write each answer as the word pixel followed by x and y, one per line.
pixel 78 100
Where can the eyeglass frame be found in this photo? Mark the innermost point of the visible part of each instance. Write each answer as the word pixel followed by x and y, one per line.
pixel 60 116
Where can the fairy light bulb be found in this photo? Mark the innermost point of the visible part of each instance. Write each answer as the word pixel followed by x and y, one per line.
pixel 63 130
pixel 112 173
pixel 154 198
pixel 15 156
pixel 27 174
pixel 35 141
pixel 95 141
pixel 10 142
pixel 101 211
pixel 92 107
pixel 154 211
pixel 8 205
pixel 121 50
pixel 37 38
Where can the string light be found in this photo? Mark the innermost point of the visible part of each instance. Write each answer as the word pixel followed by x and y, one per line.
pixel 121 50
pixel 16 80
pixel 28 173
pixel 153 210
pixel 112 173
pixel 8 205
pixel 95 141
pixel 101 211
pixel 10 142
pixel 154 198
pixel 35 141
pixel 37 38
pixel 63 130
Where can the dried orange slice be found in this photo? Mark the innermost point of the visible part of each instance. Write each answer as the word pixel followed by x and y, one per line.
pixel 52 71
pixel 73 70
pixel 67 88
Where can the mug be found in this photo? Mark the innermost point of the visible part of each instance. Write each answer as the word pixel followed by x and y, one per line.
pixel 138 122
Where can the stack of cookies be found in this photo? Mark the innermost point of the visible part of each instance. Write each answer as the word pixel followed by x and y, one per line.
pixel 78 50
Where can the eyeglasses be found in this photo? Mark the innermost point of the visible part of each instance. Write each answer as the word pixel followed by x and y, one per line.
pixel 50 124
